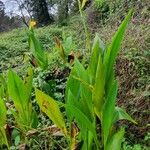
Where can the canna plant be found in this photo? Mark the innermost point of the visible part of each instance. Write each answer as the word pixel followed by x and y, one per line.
pixel 3 87
pixel 3 118
pixel 20 92
pixel 91 95
pixel 3 113
pixel 66 49
pixel 39 55
pixel 87 34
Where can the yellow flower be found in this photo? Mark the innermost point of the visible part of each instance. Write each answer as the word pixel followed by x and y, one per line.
pixel 32 23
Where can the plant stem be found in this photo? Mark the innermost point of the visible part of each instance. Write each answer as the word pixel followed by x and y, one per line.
pixel 88 46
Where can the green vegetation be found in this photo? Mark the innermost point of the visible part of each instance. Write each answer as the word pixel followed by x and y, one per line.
pixel 87 98
pixel 76 87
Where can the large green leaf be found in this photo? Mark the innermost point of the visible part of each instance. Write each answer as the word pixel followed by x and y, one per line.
pixel 78 84
pixel 120 114
pixel 3 87
pixel 28 84
pixel 83 122
pixel 71 101
pixel 86 92
pixel 16 91
pixel 2 91
pixel 3 113
pixel 49 106
pixel 3 138
pixel 98 91
pixel 73 85
pixel 108 112
pixel 116 140
pixel 20 93
pixel 97 49
pixel 37 50
pixel 113 49
pixel 68 45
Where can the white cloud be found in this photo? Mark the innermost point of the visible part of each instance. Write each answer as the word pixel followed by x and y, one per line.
pixel 11 7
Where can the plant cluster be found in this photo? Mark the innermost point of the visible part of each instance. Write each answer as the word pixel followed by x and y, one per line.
pixel 90 97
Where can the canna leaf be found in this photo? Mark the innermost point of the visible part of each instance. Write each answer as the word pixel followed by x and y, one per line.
pixel 98 91
pixel 85 90
pixel 108 112
pixel 28 84
pixel 68 45
pixel 49 106
pixel 20 93
pixel 60 48
pixel 37 50
pixel 3 138
pixel 73 85
pixel 3 87
pixel 83 122
pixel 16 90
pixel 121 114
pixel 71 101
pixel 112 51
pixel 82 74
pixel 116 140
pixel 97 49
pixel 3 113
pixel 2 91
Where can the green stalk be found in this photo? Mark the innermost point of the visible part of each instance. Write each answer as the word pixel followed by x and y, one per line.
pixel 88 46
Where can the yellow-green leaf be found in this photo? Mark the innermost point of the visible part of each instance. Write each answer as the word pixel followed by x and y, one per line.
pixel 37 50
pixel 50 107
pixel 83 3
pixel 97 49
pixel 108 112
pixel 121 114
pixel 28 84
pixel 16 90
pixel 98 91
pixel 115 141
pixel 113 49
pixel 3 112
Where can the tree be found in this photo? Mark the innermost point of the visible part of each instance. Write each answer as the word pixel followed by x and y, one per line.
pixel 22 6
pixel 7 22
pixel 63 8
pixel 40 12
pixel 2 15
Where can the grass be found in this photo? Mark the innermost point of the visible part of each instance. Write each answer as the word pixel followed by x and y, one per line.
pixel 132 67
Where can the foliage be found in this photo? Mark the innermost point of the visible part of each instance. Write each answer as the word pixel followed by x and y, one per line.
pixel 8 22
pixel 131 69
pixel 20 92
pixel 15 44
pixel 3 113
pixel 37 50
pixel 87 98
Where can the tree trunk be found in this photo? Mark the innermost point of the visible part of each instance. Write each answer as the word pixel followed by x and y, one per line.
pixel 40 12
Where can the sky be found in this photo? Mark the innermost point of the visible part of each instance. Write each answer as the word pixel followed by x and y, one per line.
pixel 10 6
